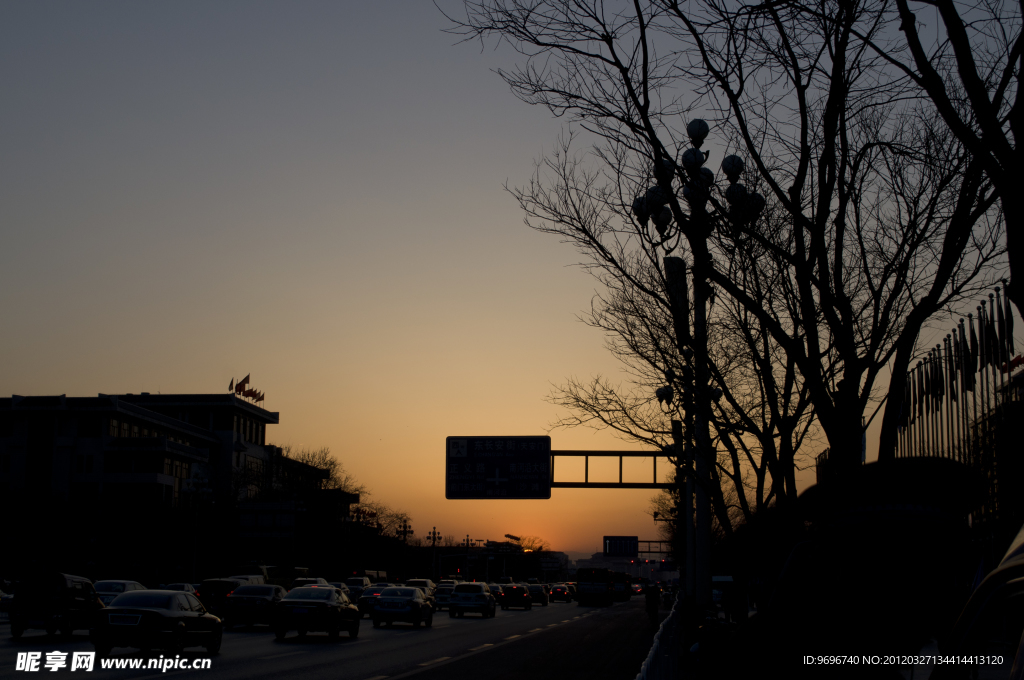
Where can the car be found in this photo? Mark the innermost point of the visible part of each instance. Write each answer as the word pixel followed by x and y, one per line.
pixel 110 589
pixel 53 602
pixel 516 596
pixel 214 593
pixel 358 582
pixel 180 587
pixel 301 582
pixel 318 609
pixel 560 591
pixel 424 584
pixel 249 605
pixel 442 595
pixel 250 579
pixel 495 589
pixel 343 588
pixel 166 619
pixel 472 597
pixel 449 582
pixel 354 587
pixel 539 593
pixel 406 604
pixel 368 598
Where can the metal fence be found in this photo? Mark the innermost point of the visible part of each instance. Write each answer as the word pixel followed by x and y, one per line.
pixel 662 662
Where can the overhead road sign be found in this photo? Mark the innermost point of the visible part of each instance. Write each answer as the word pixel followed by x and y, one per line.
pixel 621 546
pixel 497 467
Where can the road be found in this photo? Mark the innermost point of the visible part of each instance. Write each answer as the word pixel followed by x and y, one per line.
pixel 547 642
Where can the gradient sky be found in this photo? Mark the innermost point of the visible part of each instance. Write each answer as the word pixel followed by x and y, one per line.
pixel 311 193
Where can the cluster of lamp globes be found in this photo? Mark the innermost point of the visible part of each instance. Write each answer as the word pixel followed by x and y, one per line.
pixel 653 206
pixel 666 394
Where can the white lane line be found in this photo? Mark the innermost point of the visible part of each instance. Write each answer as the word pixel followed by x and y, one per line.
pixel 566 621
pixel 512 637
pixel 477 649
pixel 552 624
pixel 377 677
pixel 278 656
pixel 534 630
pixel 439 660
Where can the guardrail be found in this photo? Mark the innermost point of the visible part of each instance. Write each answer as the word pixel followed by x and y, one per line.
pixel 662 662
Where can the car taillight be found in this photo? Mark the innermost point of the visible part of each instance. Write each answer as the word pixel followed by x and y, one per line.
pixel 229 594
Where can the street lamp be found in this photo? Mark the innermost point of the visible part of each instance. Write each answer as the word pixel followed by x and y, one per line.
pixel 405 530
pixel 659 204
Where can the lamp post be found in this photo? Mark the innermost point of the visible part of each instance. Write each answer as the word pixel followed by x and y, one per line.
pixel 433 535
pixel 692 446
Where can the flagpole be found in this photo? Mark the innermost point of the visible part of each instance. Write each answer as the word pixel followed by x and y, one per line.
pixel 1000 343
pixel 975 400
pixel 923 406
pixel 934 406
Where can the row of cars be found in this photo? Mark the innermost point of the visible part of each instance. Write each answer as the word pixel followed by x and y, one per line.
pixel 121 613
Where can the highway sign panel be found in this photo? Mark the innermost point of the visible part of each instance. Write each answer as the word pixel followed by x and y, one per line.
pixel 497 467
pixel 621 546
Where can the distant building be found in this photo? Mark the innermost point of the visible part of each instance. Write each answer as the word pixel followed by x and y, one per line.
pixel 155 463
pixel 150 448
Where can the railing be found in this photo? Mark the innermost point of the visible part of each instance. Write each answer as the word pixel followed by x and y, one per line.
pixel 662 662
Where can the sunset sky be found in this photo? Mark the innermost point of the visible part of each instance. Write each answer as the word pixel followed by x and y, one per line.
pixel 310 193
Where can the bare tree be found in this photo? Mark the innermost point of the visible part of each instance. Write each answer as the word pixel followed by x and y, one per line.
pixel 385 519
pixel 875 220
pixel 321 458
pixel 534 543
pixel 968 62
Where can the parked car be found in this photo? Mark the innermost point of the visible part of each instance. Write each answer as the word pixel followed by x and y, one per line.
pixel 110 589
pixel 472 597
pixel 516 596
pixel 318 609
pixel 403 604
pixel 52 602
pixel 369 598
pixel 165 619
pixel 442 595
pixel 539 594
pixel 560 591
pixel 249 605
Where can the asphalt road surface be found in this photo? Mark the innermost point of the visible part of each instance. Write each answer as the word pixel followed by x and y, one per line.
pixel 557 641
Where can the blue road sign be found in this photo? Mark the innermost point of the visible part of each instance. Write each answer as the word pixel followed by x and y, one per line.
pixel 497 467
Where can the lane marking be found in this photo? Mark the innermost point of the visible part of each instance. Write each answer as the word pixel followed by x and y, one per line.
pixel 278 656
pixel 566 621
pixel 476 649
pixel 443 661
pixel 552 624
pixel 427 663
pixel 377 677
